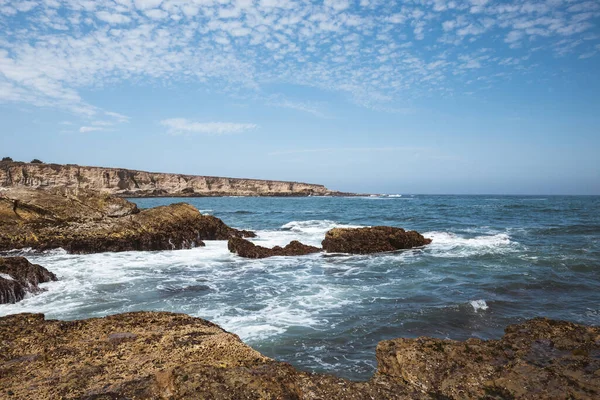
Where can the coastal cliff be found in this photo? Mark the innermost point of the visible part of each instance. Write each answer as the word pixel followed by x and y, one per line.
pixel 131 183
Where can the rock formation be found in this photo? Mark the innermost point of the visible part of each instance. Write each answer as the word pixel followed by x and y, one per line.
pixel 152 355
pixel 247 249
pixel 131 183
pixel 18 276
pixel 83 221
pixel 539 359
pixel 371 240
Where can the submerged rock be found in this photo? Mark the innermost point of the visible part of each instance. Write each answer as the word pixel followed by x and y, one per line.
pixel 18 276
pixel 247 249
pixel 83 221
pixel 371 240
pixel 156 355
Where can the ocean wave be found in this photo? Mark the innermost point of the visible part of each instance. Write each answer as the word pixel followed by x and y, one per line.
pixel 447 244
pixel 479 305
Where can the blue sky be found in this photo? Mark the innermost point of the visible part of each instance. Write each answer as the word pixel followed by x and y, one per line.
pixel 422 96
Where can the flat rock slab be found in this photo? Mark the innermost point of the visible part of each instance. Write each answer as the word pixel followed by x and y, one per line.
pixel 157 355
pixel 376 239
pixel 154 355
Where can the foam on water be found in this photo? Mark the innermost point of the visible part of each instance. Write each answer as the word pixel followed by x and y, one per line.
pixel 327 312
pixel 479 305
pixel 311 232
pixel 448 244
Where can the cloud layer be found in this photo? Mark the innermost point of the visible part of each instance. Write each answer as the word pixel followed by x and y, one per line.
pixel 182 126
pixel 375 52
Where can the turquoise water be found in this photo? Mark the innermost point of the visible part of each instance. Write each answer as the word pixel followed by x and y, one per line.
pixel 494 260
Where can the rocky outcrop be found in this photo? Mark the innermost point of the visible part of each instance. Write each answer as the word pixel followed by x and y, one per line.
pixel 131 183
pixel 371 240
pixel 247 249
pixel 83 221
pixel 539 359
pixel 151 355
pixel 154 355
pixel 18 277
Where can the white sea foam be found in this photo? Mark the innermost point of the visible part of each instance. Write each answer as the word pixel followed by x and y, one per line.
pixel 448 244
pixel 479 305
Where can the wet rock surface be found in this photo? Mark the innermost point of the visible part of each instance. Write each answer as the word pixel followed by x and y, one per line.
pixel 18 277
pixel 247 249
pixel 376 239
pixel 155 355
pixel 82 221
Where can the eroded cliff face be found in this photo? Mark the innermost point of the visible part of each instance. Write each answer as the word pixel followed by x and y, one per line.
pixel 131 183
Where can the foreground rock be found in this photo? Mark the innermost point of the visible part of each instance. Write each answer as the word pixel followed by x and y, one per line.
pixel 87 222
pixel 18 277
pixel 539 359
pixel 371 240
pixel 150 355
pixel 247 249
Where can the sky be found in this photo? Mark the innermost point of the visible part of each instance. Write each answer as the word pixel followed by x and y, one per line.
pixel 373 96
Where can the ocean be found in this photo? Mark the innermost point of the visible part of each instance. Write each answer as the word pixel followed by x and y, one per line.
pixel 494 261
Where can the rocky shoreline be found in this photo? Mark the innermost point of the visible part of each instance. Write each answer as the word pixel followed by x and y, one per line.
pixel 157 355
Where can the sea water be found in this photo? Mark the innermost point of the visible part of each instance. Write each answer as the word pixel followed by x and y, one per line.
pixel 494 261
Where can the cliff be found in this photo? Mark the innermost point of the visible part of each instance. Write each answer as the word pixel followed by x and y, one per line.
pixel 131 183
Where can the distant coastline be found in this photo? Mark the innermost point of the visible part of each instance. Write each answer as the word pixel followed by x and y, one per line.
pixel 140 184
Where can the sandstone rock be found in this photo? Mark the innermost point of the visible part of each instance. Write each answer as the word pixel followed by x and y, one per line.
pixel 130 183
pixel 152 355
pixel 371 240
pixel 247 249
pixel 539 359
pixel 18 276
pixel 83 221
pixel 155 355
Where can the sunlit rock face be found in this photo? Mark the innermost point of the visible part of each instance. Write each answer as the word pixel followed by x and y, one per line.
pixel 124 182
pixel 86 221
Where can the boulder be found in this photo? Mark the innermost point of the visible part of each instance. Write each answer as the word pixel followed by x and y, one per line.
pixel 157 355
pixel 371 240
pixel 84 221
pixel 18 276
pixel 247 249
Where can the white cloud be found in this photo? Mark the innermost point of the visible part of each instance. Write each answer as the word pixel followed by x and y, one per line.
pixel 86 129
pixel 367 50
pixel 178 126
pixel 112 18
